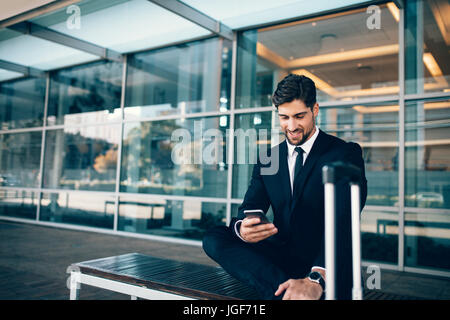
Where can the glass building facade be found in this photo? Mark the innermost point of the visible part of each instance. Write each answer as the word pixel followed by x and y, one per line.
pixel 160 142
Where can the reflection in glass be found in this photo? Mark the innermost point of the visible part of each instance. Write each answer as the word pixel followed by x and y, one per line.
pixel 82 158
pixel 88 209
pixel 85 94
pixel 187 219
pixel 20 204
pixel 20 156
pixel 252 132
pixel 379 236
pixel 427 154
pixel 427 46
pixel 188 78
pixel 427 240
pixel 179 157
pixel 427 183
pixel 22 103
pixel 326 49
pixel 375 129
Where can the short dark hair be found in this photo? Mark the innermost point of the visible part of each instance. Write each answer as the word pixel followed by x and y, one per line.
pixel 295 87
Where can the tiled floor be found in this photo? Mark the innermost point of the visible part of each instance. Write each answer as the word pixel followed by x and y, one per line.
pixel 34 260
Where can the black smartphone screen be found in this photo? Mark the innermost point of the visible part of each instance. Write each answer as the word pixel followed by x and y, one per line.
pixel 256 214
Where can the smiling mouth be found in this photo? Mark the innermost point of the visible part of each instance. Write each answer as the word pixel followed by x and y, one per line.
pixel 294 134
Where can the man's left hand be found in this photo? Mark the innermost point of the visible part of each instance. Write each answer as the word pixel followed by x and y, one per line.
pixel 300 289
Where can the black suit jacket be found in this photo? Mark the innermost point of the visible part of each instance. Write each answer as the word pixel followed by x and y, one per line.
pixel 300 217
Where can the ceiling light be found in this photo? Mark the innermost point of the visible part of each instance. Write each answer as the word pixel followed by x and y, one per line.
pixel 432 65
pixel 394 11
pixel 343 56
pixel 440 10
pixel 434 68
pixel 320 84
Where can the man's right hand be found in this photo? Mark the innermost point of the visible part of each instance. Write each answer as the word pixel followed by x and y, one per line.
pixel 251 232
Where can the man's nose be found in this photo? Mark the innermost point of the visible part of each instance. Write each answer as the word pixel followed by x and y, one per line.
pixel 291 124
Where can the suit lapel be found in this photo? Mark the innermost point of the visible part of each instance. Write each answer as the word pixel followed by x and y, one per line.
pixel 283 173
pixel 319 147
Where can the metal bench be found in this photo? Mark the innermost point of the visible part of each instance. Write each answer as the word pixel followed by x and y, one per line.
pixel 143 276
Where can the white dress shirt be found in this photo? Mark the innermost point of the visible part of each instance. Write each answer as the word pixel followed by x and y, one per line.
pixel 292 155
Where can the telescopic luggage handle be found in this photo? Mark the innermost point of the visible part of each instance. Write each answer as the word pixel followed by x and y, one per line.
pixel 331 174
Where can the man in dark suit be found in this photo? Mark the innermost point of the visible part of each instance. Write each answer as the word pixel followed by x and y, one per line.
pixel 285 259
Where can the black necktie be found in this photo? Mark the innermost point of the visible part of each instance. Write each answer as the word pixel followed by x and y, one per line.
pixel 298 161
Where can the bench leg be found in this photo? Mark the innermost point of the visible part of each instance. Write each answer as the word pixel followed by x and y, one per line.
pixel 74 285
pixel 133 297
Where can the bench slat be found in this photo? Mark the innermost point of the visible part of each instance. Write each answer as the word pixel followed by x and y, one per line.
pixel 183 278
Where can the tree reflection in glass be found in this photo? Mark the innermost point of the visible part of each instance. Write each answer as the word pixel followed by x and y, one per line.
pixel 148 167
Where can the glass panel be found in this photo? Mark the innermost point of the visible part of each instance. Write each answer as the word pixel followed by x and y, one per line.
pixel 88 209
pixel 179 157
pixel 253 133
pixel 82 158
pixel 328 49
pixel 18 203
pixel 20 156
pixel 173 218
pixel 379 236
pixel 38 53
pixel 427 168
pixel 238 14
pixel 427 46
pixel 375 129
pixel 22 103
pixel 179 80
pixel 121 25
pixel 90 93
pixel 427 240
pixel 427 154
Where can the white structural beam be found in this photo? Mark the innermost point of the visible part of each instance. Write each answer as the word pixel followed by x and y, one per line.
pixel 195 16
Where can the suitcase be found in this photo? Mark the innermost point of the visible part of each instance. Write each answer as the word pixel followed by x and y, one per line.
pixel 331 174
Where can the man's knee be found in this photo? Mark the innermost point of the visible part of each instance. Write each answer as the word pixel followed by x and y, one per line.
pixel 214 240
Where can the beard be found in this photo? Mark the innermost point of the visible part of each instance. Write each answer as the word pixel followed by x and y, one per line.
pixel 306 135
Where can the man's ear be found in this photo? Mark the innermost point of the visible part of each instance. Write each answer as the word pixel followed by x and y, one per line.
pixel 316 109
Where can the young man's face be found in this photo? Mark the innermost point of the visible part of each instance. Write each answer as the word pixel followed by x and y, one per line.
pixel 297 121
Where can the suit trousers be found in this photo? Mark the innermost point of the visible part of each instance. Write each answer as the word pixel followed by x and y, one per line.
pixel 263 265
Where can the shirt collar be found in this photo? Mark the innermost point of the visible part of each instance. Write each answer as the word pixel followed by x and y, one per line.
pixel 305 146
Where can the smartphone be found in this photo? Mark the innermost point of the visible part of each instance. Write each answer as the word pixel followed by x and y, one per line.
pixel 257 213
